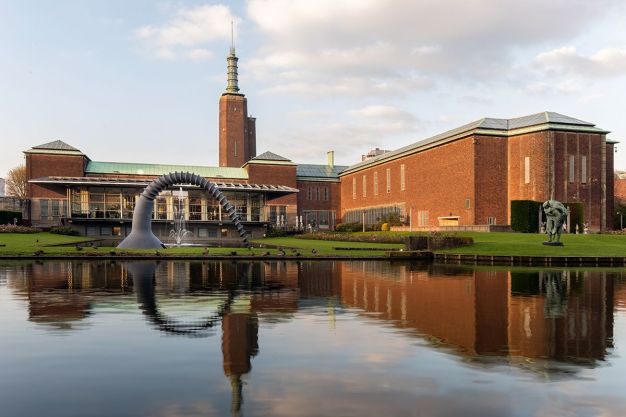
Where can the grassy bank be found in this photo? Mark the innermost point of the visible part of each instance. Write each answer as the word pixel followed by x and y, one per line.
pixel 17 244
pixel 526 244
pixel 484 244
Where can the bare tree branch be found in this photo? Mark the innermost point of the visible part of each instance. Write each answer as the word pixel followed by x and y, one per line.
pixel 17 182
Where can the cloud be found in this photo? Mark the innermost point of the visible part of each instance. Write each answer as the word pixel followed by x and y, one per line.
pixel 189 29
pixel 356 130
pixel 607 62
pixel 367 48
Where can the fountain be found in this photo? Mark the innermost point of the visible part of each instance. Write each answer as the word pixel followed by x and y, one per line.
pixel 178 233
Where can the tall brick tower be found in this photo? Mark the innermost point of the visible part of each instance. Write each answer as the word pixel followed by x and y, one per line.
pixel 237 130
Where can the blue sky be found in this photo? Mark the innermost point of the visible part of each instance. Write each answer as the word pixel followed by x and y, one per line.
pixel 140 81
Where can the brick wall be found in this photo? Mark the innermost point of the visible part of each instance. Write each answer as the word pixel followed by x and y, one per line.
pixel 334 195
pixel 275 175
pixel 45 165
pixel 437 180
pixel 233 130
pixel 491 162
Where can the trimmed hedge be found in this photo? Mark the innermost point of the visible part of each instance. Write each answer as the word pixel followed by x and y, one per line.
pixel 7 216
pixel 353 237
pixel 64 230
pixel 349 227
pixel 525 216
pixel 9 228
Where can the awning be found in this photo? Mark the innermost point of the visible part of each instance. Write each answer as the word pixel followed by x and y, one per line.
pixel 142 183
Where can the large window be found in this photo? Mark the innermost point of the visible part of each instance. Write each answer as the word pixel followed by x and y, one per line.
pixel 402 178
pixel 583 169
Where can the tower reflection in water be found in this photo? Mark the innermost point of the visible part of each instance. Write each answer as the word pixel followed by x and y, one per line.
pixel 485 314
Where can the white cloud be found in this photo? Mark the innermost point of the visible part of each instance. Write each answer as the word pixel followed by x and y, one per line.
pixel 606 62
pixel 369 47
pixel 347 133
pixel 184 34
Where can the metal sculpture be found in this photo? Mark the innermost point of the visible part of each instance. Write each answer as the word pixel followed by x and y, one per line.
pixel 556 213
pixel 141 236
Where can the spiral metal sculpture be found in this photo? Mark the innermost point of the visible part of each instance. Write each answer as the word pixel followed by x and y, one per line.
pixel 141 236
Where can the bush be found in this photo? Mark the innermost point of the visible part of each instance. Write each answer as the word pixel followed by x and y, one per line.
pixel 7 216
pixel 576 217
pixel 385 227
pixel 349 227
pixel 64 230
pixel 9 228
pixel 525 216
pixel 354 237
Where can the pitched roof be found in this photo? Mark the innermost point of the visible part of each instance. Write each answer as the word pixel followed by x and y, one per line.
pixel 270 156
pixel 55 147
pixel 488 126
pixel 58 145
pixel 319 172
pixel 130 168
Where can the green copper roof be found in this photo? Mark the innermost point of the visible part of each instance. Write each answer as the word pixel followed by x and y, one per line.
pixel 128 168
pixel 314 172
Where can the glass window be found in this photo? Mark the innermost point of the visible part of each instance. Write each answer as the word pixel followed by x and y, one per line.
pixel 402 178
pixel 572 171
pixel 105 231
pixel 43 205
pixel 354 188
pixel 92 231
pixel 583 169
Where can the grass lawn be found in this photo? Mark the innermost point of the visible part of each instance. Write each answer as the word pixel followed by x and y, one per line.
pixel 484 244
pixel 28 244
pixel 527 244
pixel 325 247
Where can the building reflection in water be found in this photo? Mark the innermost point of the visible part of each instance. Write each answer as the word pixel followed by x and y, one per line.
pixel 513 315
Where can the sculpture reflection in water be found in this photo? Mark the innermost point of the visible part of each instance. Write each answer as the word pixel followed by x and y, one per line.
pixel 487 315
pixel 239 329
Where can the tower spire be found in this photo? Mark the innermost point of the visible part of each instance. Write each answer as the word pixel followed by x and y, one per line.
pixel 232 85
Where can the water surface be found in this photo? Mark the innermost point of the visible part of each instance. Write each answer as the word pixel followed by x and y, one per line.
pixel 359 338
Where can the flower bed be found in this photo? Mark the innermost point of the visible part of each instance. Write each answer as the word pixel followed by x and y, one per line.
pixel 10 228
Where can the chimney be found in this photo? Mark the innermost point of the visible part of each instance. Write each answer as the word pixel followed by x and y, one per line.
pixel 330 155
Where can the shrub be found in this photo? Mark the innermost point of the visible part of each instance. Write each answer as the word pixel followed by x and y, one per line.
pixel 7 216
pixel 354 237
pixel 64 230
pixel 525 216
pixel 349 227
pixel 276 233
pixel 9 228
pixel 385 227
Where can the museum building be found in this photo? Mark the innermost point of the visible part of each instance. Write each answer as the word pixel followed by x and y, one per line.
pixel 465 178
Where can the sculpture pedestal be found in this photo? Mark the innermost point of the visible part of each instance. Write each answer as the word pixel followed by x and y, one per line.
pixel 553 243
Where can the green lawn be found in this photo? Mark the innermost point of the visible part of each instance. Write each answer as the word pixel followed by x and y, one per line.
pixel 527 244
pixel 28 244
pixel 484 244
pixel 325 247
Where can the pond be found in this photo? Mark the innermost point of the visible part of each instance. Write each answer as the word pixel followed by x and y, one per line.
pixel 357 338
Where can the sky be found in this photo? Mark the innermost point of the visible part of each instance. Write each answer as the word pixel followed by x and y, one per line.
pixel 140 81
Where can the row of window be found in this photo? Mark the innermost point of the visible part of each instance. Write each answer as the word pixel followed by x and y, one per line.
pixel 572 171
pixel 375 182
pixel 318 193
pixel 107 203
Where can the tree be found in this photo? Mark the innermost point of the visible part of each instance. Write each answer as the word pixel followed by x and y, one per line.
pixel 17 182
